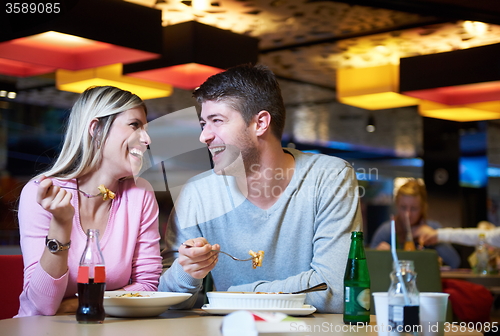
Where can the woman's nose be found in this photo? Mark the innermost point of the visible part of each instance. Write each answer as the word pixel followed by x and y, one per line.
pixel 145 138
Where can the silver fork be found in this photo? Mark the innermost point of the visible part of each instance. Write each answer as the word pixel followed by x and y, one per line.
pixel 83 192
pixel 234 258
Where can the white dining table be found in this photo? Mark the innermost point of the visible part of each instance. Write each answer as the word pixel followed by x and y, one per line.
pixel 183 323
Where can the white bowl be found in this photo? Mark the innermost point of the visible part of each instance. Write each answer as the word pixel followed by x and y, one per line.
pixel 252 300
pixel 150 304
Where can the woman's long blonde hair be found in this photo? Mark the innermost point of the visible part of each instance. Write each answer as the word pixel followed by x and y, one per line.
pixel 82 152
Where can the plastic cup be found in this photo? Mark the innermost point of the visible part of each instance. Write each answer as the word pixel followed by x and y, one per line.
pixel 381 301
pixel 433 313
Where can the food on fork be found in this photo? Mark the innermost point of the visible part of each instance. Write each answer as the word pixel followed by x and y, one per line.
pixel 106 193
pixel 257 258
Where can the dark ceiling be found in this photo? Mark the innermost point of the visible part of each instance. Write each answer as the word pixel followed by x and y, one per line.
pixel 307 40
pixel 487 11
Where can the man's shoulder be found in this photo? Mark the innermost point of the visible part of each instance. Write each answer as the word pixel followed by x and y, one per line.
pixel 205 183
pixel 308 159
pixel 205 178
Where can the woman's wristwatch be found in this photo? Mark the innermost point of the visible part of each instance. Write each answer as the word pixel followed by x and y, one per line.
pixel 55 246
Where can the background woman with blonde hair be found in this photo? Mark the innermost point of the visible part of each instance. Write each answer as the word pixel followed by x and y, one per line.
pixel 104 143
pixel 410 214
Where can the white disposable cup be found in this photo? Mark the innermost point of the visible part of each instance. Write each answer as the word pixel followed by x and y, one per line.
pixel 433 313
pixel 381 300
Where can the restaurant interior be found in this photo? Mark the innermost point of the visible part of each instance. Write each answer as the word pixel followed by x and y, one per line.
pixel 399 89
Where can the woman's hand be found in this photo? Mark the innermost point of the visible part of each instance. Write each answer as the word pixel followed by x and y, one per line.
pixel 55 200
pixel 199 259
pixel 383 246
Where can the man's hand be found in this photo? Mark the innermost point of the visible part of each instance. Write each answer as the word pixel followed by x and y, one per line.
pixel 426 235
pixel 199 259
pixel 68 306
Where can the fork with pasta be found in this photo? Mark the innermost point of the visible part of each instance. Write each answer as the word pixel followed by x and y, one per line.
pixel 256 257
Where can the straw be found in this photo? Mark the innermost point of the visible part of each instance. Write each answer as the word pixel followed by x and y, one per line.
pixel 396 262
pixel 409 236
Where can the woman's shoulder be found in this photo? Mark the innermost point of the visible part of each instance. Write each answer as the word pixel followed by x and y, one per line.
pixel 29 189
pixel 384 226
pixel 138 186
pixel 434 224
pixel 383 230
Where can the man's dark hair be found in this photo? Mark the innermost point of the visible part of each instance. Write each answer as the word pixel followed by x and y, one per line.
pixel 248 89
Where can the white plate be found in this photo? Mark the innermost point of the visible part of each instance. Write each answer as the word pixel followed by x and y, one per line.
pixel 151 304
pixel 305 310
pixel 252 300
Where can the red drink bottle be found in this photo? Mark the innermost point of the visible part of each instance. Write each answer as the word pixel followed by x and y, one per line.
pixel 91 281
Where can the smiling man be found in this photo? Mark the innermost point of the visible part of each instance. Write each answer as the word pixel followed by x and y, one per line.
pixel 298 208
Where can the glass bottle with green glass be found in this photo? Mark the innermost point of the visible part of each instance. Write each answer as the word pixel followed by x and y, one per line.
pixel 356 283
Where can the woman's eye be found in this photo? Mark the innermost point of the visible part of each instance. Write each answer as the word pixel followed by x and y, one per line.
pixel 135 125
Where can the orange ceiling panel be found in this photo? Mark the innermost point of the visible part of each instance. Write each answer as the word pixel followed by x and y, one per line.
pixel 51 50
pixel 184 76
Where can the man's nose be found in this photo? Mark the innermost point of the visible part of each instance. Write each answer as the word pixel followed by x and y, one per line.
pixel 206 135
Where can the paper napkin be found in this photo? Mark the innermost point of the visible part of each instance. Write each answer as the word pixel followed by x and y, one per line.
pixel 251 323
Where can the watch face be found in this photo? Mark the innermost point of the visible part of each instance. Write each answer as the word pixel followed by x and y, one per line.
pixel 53 246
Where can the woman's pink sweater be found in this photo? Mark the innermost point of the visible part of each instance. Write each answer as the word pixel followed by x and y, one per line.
pixel 130 245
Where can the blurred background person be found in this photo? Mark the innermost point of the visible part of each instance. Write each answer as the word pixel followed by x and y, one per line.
pixel 411 214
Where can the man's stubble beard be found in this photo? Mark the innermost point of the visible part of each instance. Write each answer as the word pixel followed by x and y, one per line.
pixel 242 161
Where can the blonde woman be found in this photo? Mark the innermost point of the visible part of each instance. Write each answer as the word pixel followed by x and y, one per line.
pixel 103 146
pixel 411 208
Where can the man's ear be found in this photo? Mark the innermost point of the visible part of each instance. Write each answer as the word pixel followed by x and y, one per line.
pixel 262 123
